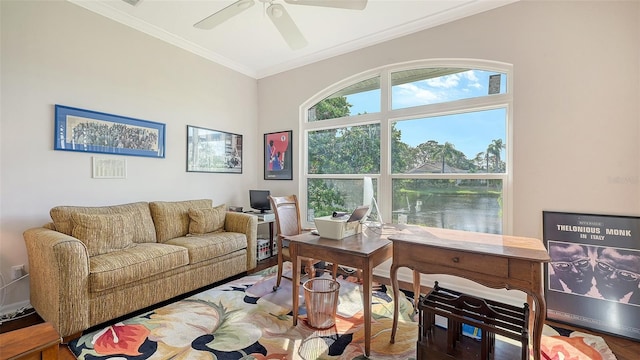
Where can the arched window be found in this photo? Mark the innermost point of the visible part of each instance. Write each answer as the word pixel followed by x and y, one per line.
pixel 433 135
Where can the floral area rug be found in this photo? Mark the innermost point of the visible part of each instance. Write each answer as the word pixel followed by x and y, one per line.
pixel 563 344
pixel 245 319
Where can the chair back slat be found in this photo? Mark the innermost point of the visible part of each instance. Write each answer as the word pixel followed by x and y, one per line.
pixel 287 212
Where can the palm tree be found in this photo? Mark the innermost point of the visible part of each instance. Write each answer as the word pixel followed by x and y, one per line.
pixel 426 151
pixel 445 152
pixel 494 149
pixel 479 159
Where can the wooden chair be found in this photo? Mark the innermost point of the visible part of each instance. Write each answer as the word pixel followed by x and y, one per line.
pixel 287 212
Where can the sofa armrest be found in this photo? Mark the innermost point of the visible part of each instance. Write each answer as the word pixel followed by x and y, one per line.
pixel 248 225
pixel 59 279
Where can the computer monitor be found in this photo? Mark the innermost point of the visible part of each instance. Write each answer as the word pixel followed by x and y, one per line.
pixel 370 202
pixel 367 194
pixel 259 200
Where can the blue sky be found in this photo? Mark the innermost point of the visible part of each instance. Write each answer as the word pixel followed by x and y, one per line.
pixel 470 133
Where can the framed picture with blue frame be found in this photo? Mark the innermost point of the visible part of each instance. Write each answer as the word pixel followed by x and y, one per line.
pixel 278 164
pixel 96 132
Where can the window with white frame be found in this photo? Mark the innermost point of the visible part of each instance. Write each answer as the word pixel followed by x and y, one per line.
pixel 433 135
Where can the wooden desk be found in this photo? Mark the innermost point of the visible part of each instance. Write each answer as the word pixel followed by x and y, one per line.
pixel 34 342
pixel 496 261
pixel 362 251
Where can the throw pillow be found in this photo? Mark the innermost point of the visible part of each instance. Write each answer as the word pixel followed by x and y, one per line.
pixel 137 213
pixel 102 233
pixel 171 218
pixel 207 220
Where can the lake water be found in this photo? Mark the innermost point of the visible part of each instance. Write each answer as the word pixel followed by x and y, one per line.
pixel 481 213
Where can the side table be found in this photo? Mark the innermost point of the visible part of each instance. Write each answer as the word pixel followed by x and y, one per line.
pixel 39 341
pixel 270 223
pixel 496 261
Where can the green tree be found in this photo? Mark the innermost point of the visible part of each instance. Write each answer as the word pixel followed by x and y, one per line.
pixel 425 152
pixel 324 198
pixel 479 160
pixel 446 152
pixel 493 153
pixel 404 156
pixel 350 150
pixel 330 108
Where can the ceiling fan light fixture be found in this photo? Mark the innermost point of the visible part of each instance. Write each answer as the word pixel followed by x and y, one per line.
pixel 132 2
pixel 275 11
pixel 244 4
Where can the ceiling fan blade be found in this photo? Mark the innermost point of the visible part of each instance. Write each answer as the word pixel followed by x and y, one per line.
pixel 285 25
pixel 223 15
pixel 342 4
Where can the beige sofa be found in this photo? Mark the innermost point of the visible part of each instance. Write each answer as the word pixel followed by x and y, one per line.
pixel 95 264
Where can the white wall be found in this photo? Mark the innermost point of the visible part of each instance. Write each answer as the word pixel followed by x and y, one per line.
pixel 576 99
pixel 59 53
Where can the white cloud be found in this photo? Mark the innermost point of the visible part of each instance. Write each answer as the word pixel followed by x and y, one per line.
pixel 473 81
pixel 438 90
pixel 412 95
pixel 446 82
pixel 470 75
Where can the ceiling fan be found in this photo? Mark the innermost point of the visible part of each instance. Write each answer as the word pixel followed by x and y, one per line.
pixel 278 15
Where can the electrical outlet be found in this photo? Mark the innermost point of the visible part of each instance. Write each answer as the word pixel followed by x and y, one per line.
pixel 17 271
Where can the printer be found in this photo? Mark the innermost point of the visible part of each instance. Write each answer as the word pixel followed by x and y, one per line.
pixel 339 226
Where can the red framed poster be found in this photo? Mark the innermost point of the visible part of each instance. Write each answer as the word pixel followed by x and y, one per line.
pixel 278 164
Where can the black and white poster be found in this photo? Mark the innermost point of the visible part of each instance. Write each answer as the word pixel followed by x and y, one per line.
pixel 593 278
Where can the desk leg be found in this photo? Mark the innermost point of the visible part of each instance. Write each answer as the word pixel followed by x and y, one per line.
pixel 396 297
pixel 367 273
pixel 540 309
pixel 295 279
pixel 416 290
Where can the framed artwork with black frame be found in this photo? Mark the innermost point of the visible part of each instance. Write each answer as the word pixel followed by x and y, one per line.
pixel 213 151
pixel 278 164
pixel 97 132
pixel 593 278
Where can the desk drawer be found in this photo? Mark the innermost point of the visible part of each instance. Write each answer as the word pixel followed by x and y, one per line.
pixel 484 264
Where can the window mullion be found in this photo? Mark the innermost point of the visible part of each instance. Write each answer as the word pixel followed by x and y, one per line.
pixel 385 193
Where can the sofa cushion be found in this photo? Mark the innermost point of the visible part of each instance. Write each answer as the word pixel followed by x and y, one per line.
pixel 207 220
pixel 210 246
pixel 103 233
pixel 171 219
pixel 134 263
pixel 137 213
